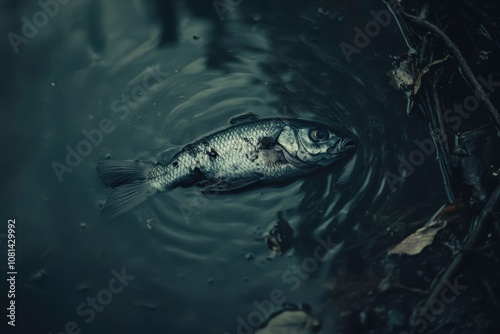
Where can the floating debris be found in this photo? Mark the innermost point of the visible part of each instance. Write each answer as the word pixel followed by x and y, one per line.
pixel 422 238
pixel 323 11
pixel 402 76
pixel 292 319
pixel 82 226
pixel 279 237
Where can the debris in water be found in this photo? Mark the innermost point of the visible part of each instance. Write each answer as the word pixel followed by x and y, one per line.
pixel 82 226
pixel 423 237
pixel 402 76
pixel 420 239
pixel 279 237
pixel 421 73
pixel 292 319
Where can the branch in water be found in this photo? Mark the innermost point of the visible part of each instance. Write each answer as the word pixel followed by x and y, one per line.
pixel 478 89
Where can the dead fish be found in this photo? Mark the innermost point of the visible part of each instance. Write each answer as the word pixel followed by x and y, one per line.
pixel 251 151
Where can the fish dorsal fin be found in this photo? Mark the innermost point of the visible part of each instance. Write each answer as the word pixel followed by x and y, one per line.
pixel 246 118
pixel 164 157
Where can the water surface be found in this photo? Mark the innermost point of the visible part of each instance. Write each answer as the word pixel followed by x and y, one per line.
pixel 195 272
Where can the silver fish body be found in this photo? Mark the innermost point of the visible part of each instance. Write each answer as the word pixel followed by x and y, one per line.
pixel 252 151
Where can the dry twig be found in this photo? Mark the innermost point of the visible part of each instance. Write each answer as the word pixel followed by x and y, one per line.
pixel 478 89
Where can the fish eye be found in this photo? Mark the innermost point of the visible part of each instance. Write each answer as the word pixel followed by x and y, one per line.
pixel 318 135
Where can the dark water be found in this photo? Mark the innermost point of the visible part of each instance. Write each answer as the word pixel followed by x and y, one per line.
pixel 188 253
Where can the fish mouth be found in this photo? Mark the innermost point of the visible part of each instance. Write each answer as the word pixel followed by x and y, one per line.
pixel 342 148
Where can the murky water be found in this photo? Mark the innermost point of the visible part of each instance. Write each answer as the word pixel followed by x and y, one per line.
pixel 199 262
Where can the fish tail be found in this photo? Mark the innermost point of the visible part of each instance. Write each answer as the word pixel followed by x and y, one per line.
pixel 129 182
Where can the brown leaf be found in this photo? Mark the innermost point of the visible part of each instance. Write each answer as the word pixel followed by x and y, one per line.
pixel 422 238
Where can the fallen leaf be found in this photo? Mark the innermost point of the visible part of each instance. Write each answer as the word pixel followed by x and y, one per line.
pixel 402 76
pixel 291 322
pixel 422 238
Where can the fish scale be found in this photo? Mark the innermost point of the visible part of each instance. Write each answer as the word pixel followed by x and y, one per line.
pixel 213 159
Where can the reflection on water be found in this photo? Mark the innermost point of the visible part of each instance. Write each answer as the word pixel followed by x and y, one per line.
pixel 188 252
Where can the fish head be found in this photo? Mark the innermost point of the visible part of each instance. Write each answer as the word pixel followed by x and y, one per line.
pixel 310 145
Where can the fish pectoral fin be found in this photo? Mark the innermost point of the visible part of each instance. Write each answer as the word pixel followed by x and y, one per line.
pixel 229 185
pixel 246 118
pixel 164 157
